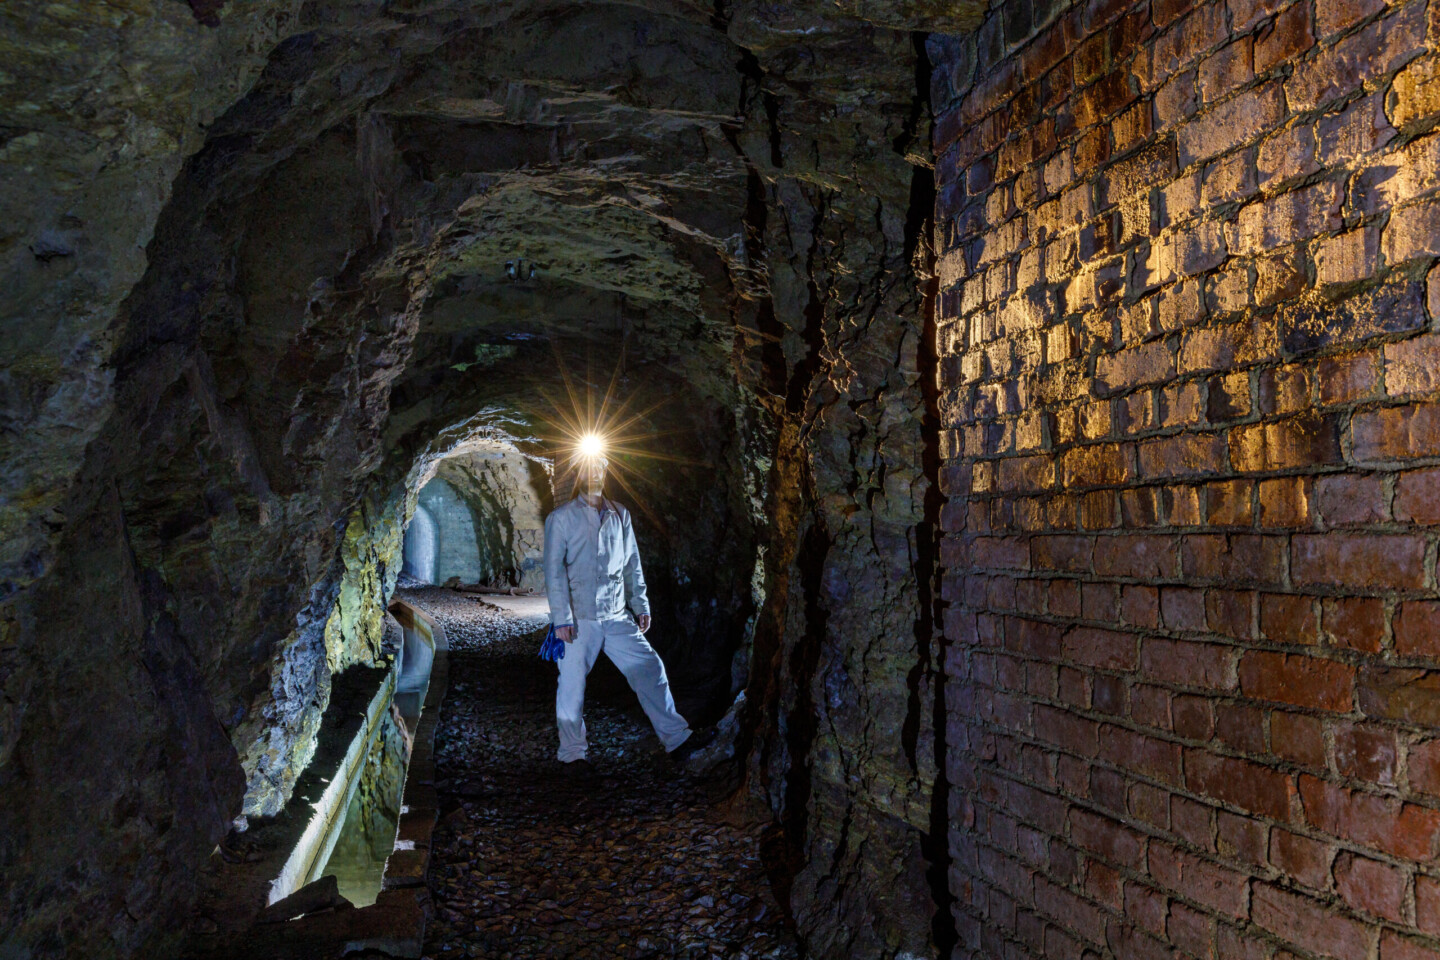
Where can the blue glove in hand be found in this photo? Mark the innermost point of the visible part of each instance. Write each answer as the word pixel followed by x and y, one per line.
pixel 553 648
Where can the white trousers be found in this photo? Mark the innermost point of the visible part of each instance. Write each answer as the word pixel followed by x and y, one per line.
pixel 637 660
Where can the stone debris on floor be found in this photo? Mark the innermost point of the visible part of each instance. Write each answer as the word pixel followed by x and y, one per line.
pixel 530 863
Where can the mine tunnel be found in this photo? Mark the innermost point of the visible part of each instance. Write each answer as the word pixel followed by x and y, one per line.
pixel 1027 412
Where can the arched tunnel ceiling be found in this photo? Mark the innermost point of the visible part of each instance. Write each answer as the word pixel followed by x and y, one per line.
pixel 99 105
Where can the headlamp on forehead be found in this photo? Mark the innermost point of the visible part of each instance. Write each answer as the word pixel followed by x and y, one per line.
pixel 591 447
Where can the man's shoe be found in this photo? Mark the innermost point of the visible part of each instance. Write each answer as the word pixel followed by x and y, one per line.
pixel 579 770
pixel 697 741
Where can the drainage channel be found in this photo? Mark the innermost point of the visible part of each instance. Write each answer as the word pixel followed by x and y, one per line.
pixel 342 869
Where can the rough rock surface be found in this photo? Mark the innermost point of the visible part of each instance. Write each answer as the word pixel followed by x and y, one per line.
pixel 213 445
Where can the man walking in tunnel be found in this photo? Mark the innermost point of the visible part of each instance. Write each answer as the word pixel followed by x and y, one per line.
pixel 592 568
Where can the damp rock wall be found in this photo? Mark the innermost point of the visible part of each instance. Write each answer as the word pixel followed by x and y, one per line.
pixel 504 498
pixel 1187 338
pixel 844 661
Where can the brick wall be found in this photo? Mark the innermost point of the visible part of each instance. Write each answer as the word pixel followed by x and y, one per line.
pixel 1192 425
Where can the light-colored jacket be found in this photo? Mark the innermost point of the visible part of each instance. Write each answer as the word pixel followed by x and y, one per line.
pixel 591 563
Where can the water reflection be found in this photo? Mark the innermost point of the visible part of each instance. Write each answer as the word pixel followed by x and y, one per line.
pixel 371 821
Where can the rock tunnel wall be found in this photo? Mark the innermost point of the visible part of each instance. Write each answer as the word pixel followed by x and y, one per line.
pixel 502 498
pixel 1191 433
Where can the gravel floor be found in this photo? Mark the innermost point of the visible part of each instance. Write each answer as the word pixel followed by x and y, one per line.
pixel 530 864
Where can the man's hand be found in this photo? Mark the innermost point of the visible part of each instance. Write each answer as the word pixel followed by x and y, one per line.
pixel 643 621
pixel 566 633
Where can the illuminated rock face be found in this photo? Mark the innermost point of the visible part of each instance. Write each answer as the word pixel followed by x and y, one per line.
pixel 1186 318
pixel 1066 513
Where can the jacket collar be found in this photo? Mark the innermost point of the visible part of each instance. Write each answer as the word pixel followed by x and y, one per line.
pixel 580 503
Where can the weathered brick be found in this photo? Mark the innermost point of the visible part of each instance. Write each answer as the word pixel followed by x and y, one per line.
pixel 1095 465
pixel 1000 553
pixel 1357 560
pixel 1175 100
pixel 1244 14
pixel 1247 785
pixel 1070 910
pixel 1182 405
pixel 1184 253
pixel 1286 155
pixel 1417 628
pixel 1298 679
pixel 1308 924
pixel 1147 756
pixel 1301 858
pixel 1192 931
pixel 1408 695
pixel 1182 505
pixel 1423 768
pixel 1393 307
pixel 1285 502
pixel 1179 46
pixel 1287 218
pixel 1417 496
pixel 1413 366
pixel 1377 49
pixel 1229 503
pixel 1230 178
pixel 1241 727
pixel 1136 555
pixel 1332 16
pixel 1230 123
pixel 1354 622
pixel 1306 440
pixel 1241 838
pixel 1297 738
pixel 1288 37
pixel 1349 257
pixel 1416 94
pixel 1230 67
pixel 1236 945
pixel 1219 888
pixel 1193 821
pixel 1136 173
pixel 1393 946
pixel 1182 456
pixel 1133 127
pixel 1413 232
pixel 1227 290
pixel 1397 433
pixel 1348 499
pixel 1228 397
pixel 1106 649
pixel 1148 363
pixel 1139 605
pixel 1105 837
pixel 1230 613
pixel 1427 904
pixel 1289 618
pixel 1188 663
pixel 1235 559
pixel 1359 129
pixel 1066 730
pixel 1365 752
pixel 1280 276
pixel 1401 175
pixel 1380 823
pixel 1225 346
